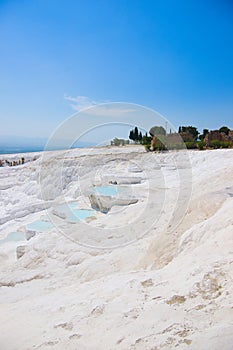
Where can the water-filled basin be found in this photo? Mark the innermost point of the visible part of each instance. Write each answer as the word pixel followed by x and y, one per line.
pixel 108 190
pixel 40 226
pixel 13 237
pixel 72 213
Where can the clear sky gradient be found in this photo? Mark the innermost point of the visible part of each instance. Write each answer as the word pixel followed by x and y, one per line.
pixel 173 56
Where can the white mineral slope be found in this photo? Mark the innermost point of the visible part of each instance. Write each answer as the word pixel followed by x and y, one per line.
pixel 168 289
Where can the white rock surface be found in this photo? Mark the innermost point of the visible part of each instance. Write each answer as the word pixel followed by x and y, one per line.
pixel 105 203
pixel 171 287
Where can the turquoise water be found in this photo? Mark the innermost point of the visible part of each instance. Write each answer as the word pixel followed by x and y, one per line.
pixel 13 237
pixel 40 226
pixel 80 214
pixel 13 147
pixel 73 214
pixel 107 190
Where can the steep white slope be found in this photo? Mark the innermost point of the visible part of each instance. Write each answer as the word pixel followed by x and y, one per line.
pixel 167 289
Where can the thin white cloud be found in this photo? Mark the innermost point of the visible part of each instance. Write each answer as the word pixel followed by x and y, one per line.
pixel 110 110
pixel 80 103
pixel 103 108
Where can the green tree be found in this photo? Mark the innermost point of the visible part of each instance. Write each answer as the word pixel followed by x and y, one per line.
pixel 224 129
pixel 136 134
pixel 203 135
pixel 185 130
pixel 140 137
pixel 146 140
pixel 131 135
pixel 157 130
pixel 201 145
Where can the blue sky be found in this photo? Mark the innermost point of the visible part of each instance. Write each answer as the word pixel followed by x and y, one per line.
pixel 173 56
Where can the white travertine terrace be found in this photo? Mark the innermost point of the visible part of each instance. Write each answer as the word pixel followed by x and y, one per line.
pixel 166 289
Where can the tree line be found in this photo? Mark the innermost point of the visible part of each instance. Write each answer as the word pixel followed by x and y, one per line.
pixel 189 137
pixel 186 137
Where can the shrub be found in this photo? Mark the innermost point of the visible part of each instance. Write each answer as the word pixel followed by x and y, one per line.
pixel 215 144
pixel 221 144
pixel 225 144
pixel 176 146
pixel 201 145
pixel 191 145
pixel 119 142
pixel 157 144
pixel 146 140
pixel 147 147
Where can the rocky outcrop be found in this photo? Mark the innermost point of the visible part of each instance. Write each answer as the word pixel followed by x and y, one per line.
pixel 230 135
pixel 20 251
pixel 105 203
pixel 29 234
pixel 215 135
pixel 170 141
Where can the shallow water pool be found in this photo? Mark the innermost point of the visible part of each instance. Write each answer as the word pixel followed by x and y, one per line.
pixel 73 214
pixel 40 226
pixel 13 237
pixel 108 190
